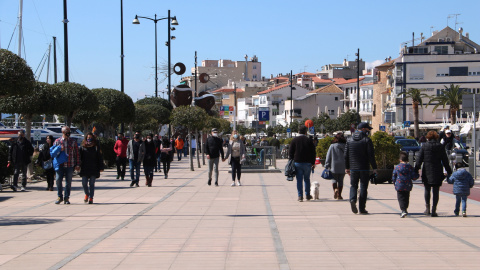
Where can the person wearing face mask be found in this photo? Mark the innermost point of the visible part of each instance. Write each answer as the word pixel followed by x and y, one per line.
pixel 165 155
pixel 135 155
pixel 70 147
pixel 359 156
pixel 45 161
pixel 19 156
pixel 92 165
pixel 213 150
pixel 120 149
pixel 149 160
pixel 235 153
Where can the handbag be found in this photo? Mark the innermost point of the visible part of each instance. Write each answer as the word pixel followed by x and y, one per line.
pixel 290 170
pixel 327 174
pixel 47 164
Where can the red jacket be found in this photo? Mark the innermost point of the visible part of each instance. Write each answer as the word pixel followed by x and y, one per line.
pixel 120 148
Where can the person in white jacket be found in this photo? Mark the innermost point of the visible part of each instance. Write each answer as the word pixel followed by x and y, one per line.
pixel 335 162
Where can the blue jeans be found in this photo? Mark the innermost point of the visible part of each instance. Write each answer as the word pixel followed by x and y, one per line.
pixel 302 172
pixel 179 154
pixel 88 181
pixel 68 173
pixel 463 199
pixel 159 164
pixel 134 168
pixel 362 177
pixel 185 151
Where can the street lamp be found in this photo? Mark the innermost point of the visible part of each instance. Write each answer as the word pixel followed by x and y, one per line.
pixel 171 21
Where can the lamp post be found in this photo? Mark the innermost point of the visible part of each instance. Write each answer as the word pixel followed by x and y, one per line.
pixel 122 89
pixel 171 21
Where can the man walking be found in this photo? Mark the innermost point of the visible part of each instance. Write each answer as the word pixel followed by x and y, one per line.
pixel 19 156
pixel 213 149
pixel 120 149
pixel 70 147
pixel 135 155
pixel 359 156
pixel 179 147
pixel 302 152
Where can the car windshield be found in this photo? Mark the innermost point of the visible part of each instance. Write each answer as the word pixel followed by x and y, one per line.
pixel 407 142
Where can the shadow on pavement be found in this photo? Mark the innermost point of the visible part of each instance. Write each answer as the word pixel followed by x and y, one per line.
pixel 4 198
pixel 24 221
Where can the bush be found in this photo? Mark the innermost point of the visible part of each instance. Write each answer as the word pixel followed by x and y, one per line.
pixel 322 147
pixel 109 156
pixel 386 150
pixel 37 170
pixel 4 171
pixel 286 141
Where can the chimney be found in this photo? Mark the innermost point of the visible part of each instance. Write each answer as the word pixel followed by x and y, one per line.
pixel 467 35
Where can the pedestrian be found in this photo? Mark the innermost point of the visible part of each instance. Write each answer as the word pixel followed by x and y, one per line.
pixel 462 182
pixel 45 161
pixel 69 147
pixel 235 153
pixel 448 141
pixel 194 145
pixel 135 155
pixel 172 153
pixel 92 165
pixel 359 156
pixel 213 149
pixel 402 177
pixel 157 143
pixel 120 149
pixel 185 148
pixel 303 154
pixel 275 142
pixel 19 156
pixel 434 159
pixel 179 147
pixel 150 160
pixel 165 156
pixel 335 162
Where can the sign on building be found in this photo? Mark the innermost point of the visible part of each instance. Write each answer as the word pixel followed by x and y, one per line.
pixel 263 114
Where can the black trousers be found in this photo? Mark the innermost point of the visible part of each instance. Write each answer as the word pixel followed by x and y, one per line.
pixel 362 177
pixel 431 189
pixel 166 166
pixel 403 199
pixel 50 173
pixel 236 168
pixel 121 164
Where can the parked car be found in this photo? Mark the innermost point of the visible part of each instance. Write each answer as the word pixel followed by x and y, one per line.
pixel 409 145
pixel 398 138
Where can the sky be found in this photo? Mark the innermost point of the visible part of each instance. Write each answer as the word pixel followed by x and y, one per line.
pixel 300 35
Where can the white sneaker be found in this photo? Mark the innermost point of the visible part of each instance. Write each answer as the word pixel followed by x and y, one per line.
pixel 403 215
pixel 22 189
pixel 233 184
pixel 239 184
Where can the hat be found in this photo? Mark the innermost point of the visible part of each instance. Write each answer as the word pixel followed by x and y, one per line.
pixel 214 130
pixel 363 125
pixel 448 131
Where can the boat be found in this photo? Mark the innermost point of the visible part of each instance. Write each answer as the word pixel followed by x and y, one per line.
pixel 45 129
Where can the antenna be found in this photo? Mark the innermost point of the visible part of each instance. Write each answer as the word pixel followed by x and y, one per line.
pixel 451 16
pixel 431 28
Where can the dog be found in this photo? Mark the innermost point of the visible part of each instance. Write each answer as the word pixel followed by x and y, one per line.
pixel 315 190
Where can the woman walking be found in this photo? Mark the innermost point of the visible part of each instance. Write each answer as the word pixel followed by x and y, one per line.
pixel 335 162
pixel 92 165
pixel 166 155
pixel 149 160
pixel 46 162
pixel 434 159
pixel 235 153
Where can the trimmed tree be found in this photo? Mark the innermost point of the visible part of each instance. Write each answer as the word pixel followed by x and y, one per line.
pixel 16 77
pixel 119 106
pixel 72 98
pixel 416 95
pixel 452 96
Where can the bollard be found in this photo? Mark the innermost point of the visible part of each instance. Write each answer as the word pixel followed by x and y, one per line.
pixel 410 158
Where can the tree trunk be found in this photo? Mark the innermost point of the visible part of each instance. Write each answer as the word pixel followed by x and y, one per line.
pixel 453 116
pixel 415 120
pixel 197 156
pixel 190 156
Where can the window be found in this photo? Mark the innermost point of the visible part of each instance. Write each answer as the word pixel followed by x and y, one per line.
pixel 225 96
pixel 254 66
pixel 441 49
pixel 331 112
pixel 336 98
pixel 416 73
pixel 440 92
pixel 474 73
pixel 254 76
pixel 418 50
pixel 458 71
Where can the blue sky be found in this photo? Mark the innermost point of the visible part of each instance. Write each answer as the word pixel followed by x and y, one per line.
pixel 285 35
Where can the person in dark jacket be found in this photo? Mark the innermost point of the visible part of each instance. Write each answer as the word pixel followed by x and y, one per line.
pixel 166 154
pixel 359 156
pixel 448 141
pixel 43 157
pixel 434 158
pixel 19 156
pixel 402 177
pixel 149 160
pixel 302 151
pixel 213 149
pixel 462 182
pixel 92 165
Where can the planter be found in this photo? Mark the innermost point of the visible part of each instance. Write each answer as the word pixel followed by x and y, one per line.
pixel 384 175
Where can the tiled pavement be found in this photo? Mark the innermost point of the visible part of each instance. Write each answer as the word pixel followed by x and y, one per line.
pixel 182 223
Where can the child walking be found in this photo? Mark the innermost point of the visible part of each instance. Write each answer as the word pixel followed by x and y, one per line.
pixel 462 182
pixel 402 177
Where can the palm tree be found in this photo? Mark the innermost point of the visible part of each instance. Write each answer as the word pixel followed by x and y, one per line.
pixel 416 95
pixel 450 96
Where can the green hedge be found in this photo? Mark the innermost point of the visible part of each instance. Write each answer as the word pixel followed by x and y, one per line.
pixel 322 147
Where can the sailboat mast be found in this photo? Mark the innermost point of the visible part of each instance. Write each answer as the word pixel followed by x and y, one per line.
pixel 20 10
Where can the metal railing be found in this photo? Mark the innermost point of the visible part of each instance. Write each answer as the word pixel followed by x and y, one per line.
pixel 260 157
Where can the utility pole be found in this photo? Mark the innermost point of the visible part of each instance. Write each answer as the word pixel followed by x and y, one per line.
pixel 65 34
pixel 195 73
pixel 291 96
pixel 358 80
pixel 54 59
pixel 234 106
pixel 122 89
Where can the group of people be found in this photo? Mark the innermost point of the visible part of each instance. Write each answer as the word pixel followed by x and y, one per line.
pixel 356 157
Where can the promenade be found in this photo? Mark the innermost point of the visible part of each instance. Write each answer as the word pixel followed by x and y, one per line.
pixel 182 223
